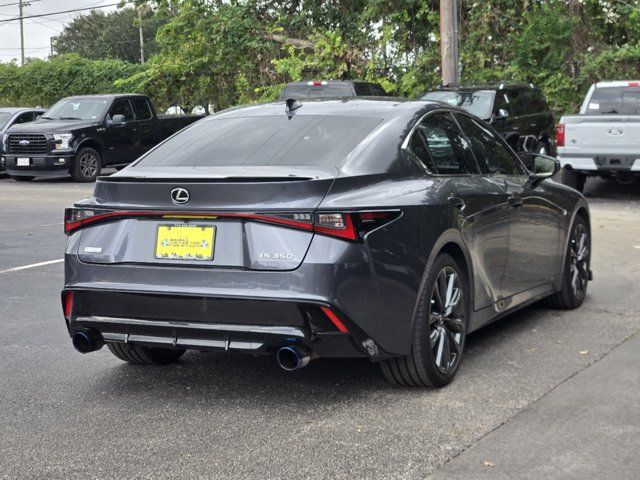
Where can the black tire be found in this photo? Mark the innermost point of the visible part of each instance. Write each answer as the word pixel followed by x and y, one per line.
pixel 87 165
pixel 574 179
pixel 575 272
pixel 22 178
pixel 141 355
pixel 438 338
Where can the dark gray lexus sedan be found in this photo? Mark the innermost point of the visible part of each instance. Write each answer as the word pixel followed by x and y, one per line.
pixel 348 228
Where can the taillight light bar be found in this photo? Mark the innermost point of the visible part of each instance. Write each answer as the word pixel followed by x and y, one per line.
pixel 348 226
pixel 560 135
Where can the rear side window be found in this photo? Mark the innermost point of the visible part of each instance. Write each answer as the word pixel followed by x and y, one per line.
pixel 141 108
pixel 441 146
pixel 25 118
pixel 122 107
pixel 491 153
pixel 377 90
pixel 363 89
pixel 303 140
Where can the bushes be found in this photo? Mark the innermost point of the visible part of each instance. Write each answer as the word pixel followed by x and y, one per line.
pixel 43 82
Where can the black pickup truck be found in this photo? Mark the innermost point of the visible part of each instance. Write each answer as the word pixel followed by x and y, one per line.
pixel 81 135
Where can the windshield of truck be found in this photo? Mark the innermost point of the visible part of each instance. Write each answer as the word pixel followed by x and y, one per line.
pixel 477 103
pixel 614 100
pixel 302 140
pixel 4 119
pixel 78 109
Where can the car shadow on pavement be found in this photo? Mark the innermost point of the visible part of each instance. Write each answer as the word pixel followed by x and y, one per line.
pixel 611 190
pixel 214 377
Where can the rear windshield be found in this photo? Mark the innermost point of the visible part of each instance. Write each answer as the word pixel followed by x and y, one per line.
pixel 259 141
pixel 614 100
pixel 301 92
pixel 478 103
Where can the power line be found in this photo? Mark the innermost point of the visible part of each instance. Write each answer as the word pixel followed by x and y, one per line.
pixel 26 3
pixel 24 17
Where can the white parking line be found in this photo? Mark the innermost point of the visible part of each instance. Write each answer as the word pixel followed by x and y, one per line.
pixel 33 265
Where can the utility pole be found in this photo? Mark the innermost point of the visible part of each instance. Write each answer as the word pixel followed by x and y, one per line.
pixel 21 34
pixel 141 33
pixel 51 42
pixel 449 42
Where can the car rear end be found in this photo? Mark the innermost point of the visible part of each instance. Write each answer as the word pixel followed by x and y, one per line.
pixel 175 253
pixel 604 139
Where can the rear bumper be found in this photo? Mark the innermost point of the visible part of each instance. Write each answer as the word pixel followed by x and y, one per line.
pixel 50 165
pixel 600 163
pixel 207 323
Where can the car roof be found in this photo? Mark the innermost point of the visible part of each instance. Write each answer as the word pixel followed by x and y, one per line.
pixel 488 86
pixel 105 95
pixel 618 83
pixel 20 109
pixel 380 107
pixel 326 82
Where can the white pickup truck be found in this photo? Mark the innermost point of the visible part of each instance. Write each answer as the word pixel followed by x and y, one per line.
pixel 604 138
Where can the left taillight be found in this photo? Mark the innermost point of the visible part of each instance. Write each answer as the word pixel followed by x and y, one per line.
pixel 67 303
pixel 75 218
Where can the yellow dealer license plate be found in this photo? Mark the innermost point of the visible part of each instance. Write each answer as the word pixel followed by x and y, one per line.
pixel 185 242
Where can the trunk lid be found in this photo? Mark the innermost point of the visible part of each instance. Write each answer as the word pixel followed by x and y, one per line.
pixel 238 233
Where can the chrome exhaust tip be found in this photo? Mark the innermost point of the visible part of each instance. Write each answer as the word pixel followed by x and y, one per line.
pixel 292 358
pixel 85 341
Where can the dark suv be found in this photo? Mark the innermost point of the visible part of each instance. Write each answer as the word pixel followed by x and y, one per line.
pixel 518 111
pixel 331 89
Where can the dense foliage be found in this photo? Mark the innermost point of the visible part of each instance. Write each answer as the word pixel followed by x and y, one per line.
pixel 225 52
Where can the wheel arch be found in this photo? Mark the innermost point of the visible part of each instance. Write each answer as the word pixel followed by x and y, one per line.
pixel 91 143
pixel 449 242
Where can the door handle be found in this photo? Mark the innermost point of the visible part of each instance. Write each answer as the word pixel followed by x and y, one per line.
pixel 457 202
pixel 515 200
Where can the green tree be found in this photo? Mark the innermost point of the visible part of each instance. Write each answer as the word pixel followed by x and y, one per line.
pixel 99 35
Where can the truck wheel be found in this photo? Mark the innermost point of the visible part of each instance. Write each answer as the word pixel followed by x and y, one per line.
pixel 438 332
pixel 141 355
pixel 543 148
pixel 87 165
pixel 574 179
pixel 575 273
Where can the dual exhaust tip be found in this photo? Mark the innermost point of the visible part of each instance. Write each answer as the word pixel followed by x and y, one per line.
pixel 292 357
pixel 289 358
pixel 85 341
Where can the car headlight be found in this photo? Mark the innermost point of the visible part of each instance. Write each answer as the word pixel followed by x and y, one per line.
pixel 62 140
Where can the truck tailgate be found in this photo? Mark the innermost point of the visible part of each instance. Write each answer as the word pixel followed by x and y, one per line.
pixel 602 135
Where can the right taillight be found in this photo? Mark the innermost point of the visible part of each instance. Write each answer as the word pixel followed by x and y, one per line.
pixel 560 135
pixel 352 225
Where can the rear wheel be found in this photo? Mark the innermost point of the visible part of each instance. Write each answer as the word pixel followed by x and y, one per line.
pixel 575 275
pixel 87 165
pixel 574 179
pixel 438 331
pixel 141 355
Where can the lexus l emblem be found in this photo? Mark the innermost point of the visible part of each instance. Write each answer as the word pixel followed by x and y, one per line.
pixel 180 196
pixel 24 143
pixel 615 132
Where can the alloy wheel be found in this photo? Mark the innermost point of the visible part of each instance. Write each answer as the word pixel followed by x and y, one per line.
pixel 579 266
pixel 446 320
pixel 88 165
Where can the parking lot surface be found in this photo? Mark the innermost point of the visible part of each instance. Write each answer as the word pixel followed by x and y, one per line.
pixel 65 415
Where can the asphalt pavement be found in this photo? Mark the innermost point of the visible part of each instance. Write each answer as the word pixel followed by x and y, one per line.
pixel 541 394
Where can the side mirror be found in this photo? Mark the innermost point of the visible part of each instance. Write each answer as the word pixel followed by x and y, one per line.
pixel 540 166
pixel 502 113
pixel 116 121
pixel 37 117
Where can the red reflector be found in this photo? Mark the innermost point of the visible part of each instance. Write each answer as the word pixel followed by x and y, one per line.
pixel 371 216
pixel 634 84
pixel 560 135
pixel 67 303
pixel 334 319
pixel 317 84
